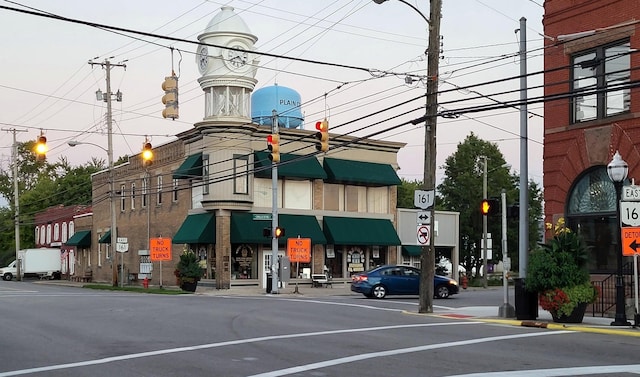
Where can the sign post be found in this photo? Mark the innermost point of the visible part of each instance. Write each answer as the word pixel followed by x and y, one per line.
pixel 160 250
pixel 630 234
pixel 299 250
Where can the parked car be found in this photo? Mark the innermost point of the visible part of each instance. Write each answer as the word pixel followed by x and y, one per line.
pixel 398 280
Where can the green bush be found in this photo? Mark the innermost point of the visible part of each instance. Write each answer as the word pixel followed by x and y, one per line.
pixel 188 268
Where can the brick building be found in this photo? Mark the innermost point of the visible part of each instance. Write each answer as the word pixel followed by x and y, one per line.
pixel 591 78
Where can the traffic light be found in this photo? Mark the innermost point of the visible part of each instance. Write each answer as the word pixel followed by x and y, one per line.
pixel 170 98
pixel 513 211
pixel 41 148
pixel 489 207
pixel 266 232
pixel 279 232
pixel 322 135
pixel 273 143
pixel 147 154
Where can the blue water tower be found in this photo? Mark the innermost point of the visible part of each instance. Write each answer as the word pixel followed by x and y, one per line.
pixel 285 101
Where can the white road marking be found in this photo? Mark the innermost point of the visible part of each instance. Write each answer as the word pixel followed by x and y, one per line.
pixel 556 372
pixel 366 356
pixel 221 344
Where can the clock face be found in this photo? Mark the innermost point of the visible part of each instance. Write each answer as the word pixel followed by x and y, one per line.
pixel 203 59
pixel 237 57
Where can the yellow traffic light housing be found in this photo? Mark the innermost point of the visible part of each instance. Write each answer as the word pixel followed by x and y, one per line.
pixel 147 154
pixel 322 135
pixel 170 98
pixel 41 148
pixel 273 144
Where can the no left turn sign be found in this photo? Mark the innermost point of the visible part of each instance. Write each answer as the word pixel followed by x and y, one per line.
pixel 423 235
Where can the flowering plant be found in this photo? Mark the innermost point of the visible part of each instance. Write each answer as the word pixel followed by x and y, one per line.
pixel 557 271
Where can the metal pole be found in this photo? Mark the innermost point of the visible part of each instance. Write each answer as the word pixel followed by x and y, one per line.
pixel 621 316
pixel 523 245
pixel 16 200
pixel 112 185
pixel 506 310
pixel 484 223
pixel 274 212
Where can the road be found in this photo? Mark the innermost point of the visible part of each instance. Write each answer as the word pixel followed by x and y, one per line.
pixel 64 331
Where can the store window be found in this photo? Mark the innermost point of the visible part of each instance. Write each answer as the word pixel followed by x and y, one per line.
pixel 600 82
pixel 244 262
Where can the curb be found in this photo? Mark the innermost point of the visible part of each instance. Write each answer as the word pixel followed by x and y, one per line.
pixel 554 326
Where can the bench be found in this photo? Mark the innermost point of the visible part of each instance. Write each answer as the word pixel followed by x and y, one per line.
pixel 86 277
pixel 321 280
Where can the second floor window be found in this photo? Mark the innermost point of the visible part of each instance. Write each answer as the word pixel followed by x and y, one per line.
pixel 123 198
pixel 599 82
pixel 159 191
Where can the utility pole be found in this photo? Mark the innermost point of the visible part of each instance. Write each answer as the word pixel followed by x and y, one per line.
pixel 107 65
pixel 274 211
pixel 427 255
pixel 484 223
pixel 16 200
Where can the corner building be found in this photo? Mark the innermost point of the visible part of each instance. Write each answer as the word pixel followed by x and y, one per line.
pixel 591 111
pixel 210 190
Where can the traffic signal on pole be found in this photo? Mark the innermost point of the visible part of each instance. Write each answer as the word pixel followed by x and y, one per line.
pixel 41 148
pixel 489 207
pixel 513 211
pixel 147 154
pixel 170 98
pixel 273 143
pixel 322 135
pixel 279 232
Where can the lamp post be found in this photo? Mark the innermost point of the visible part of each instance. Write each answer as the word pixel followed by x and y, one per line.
pixel 427 255
pixel 112 201
pixel 617 171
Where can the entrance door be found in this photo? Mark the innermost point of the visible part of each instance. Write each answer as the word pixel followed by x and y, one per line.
pixel 266 264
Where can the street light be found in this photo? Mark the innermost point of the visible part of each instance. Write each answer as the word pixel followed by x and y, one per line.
pixel 427 255
pixel 112 202
pixel 617 171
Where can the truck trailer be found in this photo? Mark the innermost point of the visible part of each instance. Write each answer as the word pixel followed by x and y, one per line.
pixel 42 263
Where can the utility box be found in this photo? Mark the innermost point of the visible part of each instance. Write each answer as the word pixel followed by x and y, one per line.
pixel 284 270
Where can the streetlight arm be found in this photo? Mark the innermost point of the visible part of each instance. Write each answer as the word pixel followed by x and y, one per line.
pixel 74 143
pixel 410 5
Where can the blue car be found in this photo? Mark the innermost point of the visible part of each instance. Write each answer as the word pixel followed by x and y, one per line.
pixel 398 280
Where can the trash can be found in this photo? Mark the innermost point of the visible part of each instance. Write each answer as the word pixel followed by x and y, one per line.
pixel 526 302
pixel 269 283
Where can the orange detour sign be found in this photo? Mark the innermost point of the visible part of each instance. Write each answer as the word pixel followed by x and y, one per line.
pixel 299 249
pixel 630 240
pixel 160 249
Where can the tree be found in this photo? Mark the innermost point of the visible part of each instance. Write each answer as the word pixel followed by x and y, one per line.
pixel 461 191
pixel 406 193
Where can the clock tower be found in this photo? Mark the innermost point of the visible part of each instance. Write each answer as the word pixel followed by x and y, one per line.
pixel 227 67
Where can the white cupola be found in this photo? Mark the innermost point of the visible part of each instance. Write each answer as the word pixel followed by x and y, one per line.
pixel 228 67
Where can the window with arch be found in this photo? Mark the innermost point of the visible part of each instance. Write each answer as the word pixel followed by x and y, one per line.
pixel 591 211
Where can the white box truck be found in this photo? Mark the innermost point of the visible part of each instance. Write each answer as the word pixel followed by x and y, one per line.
pixel 43 263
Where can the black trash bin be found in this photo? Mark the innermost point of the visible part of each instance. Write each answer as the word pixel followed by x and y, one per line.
pixel 526 302
pixel 269 283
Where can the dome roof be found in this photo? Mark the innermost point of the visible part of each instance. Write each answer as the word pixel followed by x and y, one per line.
pixel 227 21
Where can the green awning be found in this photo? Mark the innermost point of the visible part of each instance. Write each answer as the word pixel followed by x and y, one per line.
pixel 359 231
pixel 412 250
pixel 244 229
pixel 360 172
pixel 106 238
pixel 197 228
pixel 190 168
pixel 291 165
pixel 80 238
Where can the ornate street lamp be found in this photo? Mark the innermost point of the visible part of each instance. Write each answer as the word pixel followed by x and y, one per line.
pixel 617 170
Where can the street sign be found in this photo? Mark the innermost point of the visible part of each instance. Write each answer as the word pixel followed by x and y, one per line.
pixel 630 240
pixel 160 249
pixel 122 240
pixel 423 199
pixel 299 249
pixel 262 216
pixel 630 213
pixel 423 217
pixel 631 193
pixel 122 247
pixel 423 234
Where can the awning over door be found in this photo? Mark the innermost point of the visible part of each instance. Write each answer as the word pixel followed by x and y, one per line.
pixel 360 231
pixel 291 166
pixel 80 238
pixel 244 229
pixel 190 168
pixel 106 238
pixel 412 250
pixel 197 228
pixel 360 172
